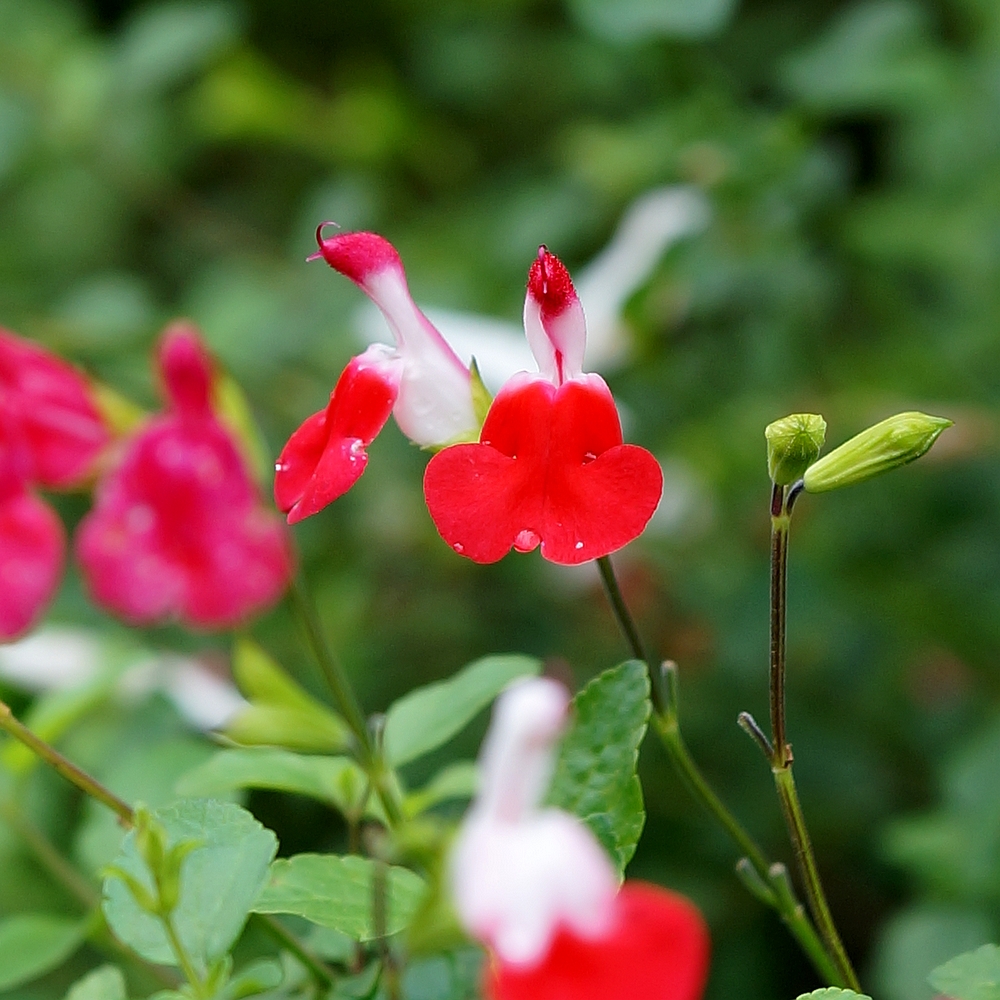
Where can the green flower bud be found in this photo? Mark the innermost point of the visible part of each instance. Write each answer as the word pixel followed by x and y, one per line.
pixel 884 446
pixel 793 444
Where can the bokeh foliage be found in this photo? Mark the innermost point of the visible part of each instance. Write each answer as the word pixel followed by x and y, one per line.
pixel 172 158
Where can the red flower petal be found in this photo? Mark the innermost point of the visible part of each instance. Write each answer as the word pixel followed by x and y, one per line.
pixel 550 468
pixel 32 547
pixel 325 457
pixel 657 949
pixel 53 408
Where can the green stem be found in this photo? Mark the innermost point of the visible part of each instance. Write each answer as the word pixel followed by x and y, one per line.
pixel 666 722
pixel 348 705
pixel 629 628
pixel 183 959
pixel 90 786
pixel 319 970
pixel 781 758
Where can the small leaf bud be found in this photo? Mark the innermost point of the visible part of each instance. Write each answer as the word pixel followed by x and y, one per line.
pixel 793 444
pixel 883 446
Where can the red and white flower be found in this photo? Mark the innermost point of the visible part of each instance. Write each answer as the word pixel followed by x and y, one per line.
pixel 179 529
pixel 537 889
pixel 550 467
pixel 419 380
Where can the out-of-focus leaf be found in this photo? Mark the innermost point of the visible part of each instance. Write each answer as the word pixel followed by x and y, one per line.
pixel 219 881
pixel 595 776
pixel 338 892
pixel 106 982
pixel 258 977
pixel 638 20
pixel 167 42
pixel 429 716
pixel 33 944
pixel 972 976
pixel 833 993
pixel 233 408
pixel 337 781
pixel 456 781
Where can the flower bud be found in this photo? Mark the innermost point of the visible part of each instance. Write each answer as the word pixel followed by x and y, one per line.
pixel 793 444
pixel 884 446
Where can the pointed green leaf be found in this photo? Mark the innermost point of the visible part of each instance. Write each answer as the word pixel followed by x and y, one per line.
pixel 832 993
pixel 595 776
pixel 106 982
pixel 426 718
pixel 337 781
pixel 456 781
pixel 219 881
pixel 35 943
pixel 338 892
pixel 972 976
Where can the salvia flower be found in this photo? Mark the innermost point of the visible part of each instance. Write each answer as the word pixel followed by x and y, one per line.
pixel 51 408
pixel 178 528
pixel 419 379
pixel 537 889
pixel 550 467
pixel 32 539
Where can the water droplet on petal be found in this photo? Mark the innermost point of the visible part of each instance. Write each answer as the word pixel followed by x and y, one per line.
pixel 459 547
pixel 579 545
pixel 526 540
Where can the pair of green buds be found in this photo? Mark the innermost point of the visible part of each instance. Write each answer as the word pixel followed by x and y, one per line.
pixel 794 444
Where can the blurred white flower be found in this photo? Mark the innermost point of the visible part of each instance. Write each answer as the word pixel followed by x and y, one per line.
pixel 650 226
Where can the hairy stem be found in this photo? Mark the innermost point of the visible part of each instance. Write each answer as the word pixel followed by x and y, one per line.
pixel 346 701
pixel 90 786
pixel 781 754
pixel 666 722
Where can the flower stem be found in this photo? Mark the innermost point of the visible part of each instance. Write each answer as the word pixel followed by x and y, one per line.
pixel 781 757
pixel 183 959
pixel 346 701
pixel 69 770
pixel 318 969
pixel 666 722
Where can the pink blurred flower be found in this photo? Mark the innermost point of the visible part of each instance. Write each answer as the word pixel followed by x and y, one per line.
pixel 178 528
pixel 534 885
pixel 419 380
pixel 49 405
pixel 550 467
pixel 32 538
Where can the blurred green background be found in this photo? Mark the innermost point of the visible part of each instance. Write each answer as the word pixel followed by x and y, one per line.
pixel 164 159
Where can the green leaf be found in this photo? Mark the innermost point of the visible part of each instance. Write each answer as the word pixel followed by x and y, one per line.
pixel 33 944
pixel 337 892
pixel 595 776
pixel 219 881
pixel 972 976
pixel 258 977
pixel 832 993
pixel 281 712
pixel 456 781
pixel 337 781
pixel 106 982
pixel 426 718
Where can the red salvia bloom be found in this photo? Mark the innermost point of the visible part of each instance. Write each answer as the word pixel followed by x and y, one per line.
pixel 550 467
pixel 533 884
pixel 32 539
pixel 49 405
pixel 178 529
pixel 420 380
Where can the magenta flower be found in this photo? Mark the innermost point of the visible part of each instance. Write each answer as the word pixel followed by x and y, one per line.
pixel 178 528
pixel 533 884
pixel 49 405
pixel 32 539
pixel 420 380
pixel 550 467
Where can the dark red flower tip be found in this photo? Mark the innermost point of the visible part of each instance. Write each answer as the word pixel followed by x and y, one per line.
pixel 186 368
pixel 551 469
pixel 657 949
pixel 52 410
pixel 550 285
pixel 179 529
pixel 356 255
pixel 325 457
